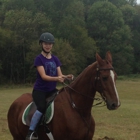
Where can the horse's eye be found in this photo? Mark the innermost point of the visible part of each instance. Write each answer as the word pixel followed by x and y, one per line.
pixel 104 78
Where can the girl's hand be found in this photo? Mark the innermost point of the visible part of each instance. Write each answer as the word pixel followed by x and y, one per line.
pixel 70 77
pixel 60 79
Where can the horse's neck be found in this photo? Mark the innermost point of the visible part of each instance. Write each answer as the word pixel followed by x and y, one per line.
pixel 84 89
pixel 86 79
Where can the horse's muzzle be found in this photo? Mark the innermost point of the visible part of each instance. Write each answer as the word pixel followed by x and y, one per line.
pixel 113 105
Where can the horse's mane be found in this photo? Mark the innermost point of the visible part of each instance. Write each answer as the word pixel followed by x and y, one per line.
pixel 91 66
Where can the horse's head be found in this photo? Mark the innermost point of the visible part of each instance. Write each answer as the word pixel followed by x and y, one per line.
pixel 106 78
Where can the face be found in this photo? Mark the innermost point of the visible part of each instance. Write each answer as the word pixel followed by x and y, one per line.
pixel 107 77
pixel 109 91
pixel 47 46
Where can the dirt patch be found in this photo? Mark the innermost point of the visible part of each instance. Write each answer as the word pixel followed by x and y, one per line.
pixel 106 138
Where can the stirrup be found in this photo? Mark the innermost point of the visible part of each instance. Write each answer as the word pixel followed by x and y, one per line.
pixel 32 136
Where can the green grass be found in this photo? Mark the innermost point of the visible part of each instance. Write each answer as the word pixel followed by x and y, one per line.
pixel 121 124
pixel 7 96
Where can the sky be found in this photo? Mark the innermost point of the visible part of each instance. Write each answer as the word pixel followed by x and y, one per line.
pixel 138 1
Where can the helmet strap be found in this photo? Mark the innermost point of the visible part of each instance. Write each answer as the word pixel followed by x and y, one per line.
pixel 45 51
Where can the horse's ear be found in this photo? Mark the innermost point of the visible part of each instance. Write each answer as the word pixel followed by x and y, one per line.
pixel 109 57
pixel 99 59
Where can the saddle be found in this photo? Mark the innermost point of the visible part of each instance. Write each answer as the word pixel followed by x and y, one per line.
pixel 31 108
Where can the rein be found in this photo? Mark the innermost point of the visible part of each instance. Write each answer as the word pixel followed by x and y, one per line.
pixel 96 80
pixel 77 109
pixel 98 99
pixel 79 92
pixel 72 102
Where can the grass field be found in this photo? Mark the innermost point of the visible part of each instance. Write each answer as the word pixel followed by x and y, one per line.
pixel 121 124
pixel 124 123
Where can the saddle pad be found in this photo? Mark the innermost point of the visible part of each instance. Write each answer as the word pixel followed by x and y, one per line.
pixel 49 113
pixel 30 109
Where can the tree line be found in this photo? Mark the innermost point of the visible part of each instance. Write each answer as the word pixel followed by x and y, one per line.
pixel 81 28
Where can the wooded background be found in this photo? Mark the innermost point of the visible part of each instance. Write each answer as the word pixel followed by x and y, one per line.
pixel 81 28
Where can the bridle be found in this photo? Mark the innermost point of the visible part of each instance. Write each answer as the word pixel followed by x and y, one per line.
pixel 97 78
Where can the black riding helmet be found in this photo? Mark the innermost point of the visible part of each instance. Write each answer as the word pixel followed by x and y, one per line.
pixel 46 37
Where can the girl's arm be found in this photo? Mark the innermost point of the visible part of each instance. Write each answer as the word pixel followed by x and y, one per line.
pixel 45 77
pixel 69 76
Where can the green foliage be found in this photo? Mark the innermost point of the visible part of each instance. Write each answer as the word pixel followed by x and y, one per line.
pixel 72 17
pixel 28 26
pixel 129 14
pixel 136 40
pixel 103 19
pixel 67 56
pixel 35 49
pixel 18 4
pixel 106 26
pixel 82 27
pixel 118 3
pixel 8 58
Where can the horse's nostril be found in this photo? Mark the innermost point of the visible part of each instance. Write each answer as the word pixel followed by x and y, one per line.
pixel 114 106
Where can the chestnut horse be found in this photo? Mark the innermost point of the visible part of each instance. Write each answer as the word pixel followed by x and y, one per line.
pixel 72 118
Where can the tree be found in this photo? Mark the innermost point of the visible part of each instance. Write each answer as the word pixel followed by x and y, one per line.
pixel 118 3
pixel 67 56
pixel 106 25
pixel 18 5
pixel 129 13
pixel 136 40
pixel 8 56
pixel 26 27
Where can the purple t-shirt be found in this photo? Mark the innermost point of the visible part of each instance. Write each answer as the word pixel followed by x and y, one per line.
pixel 50 66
